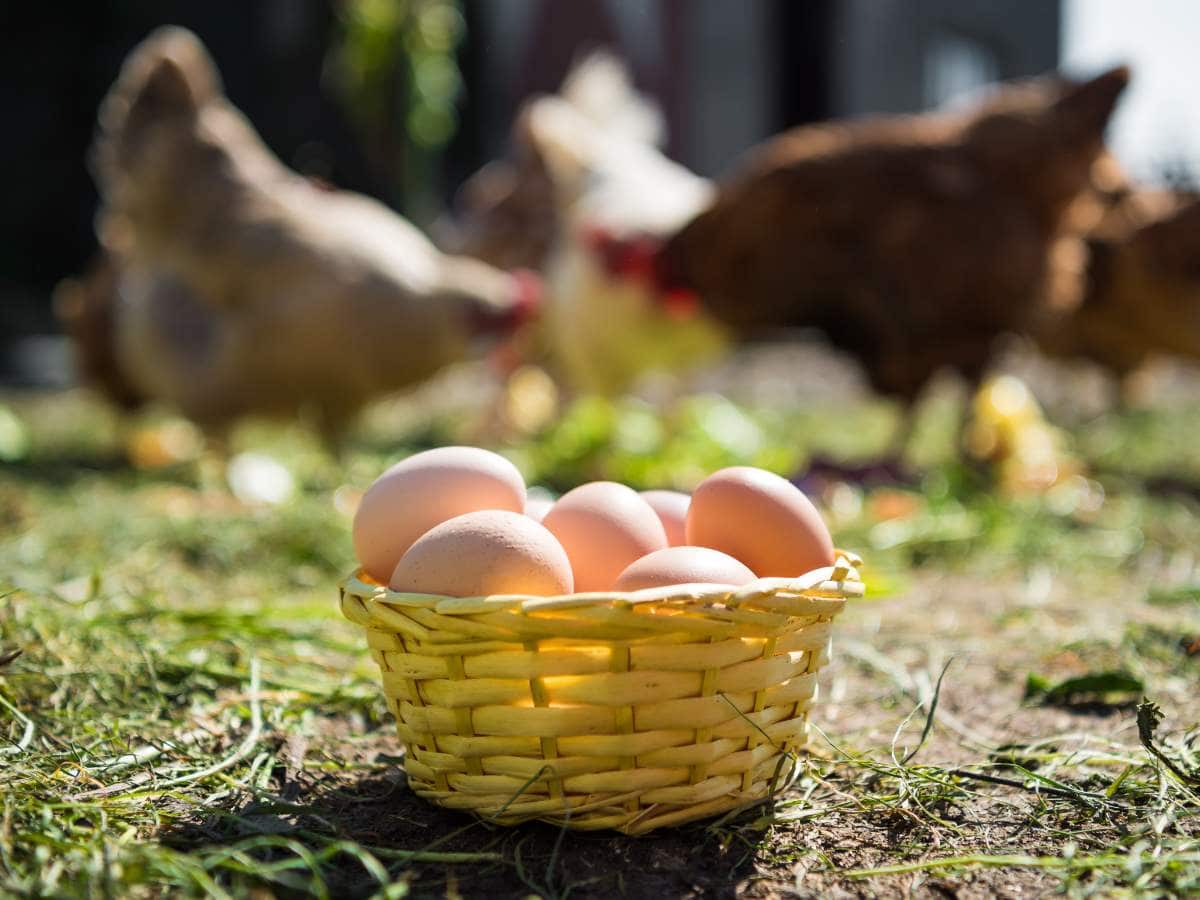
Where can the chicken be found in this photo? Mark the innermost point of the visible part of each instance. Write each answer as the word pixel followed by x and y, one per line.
pixel 585 174
pixel 913 241
pixel 243 288
pixel 86 306
pixel 1141 296
pixel 507 213
pixel 616 197
pixel 1137 294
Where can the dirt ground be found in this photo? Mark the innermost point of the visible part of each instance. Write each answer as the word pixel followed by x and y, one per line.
pixel 144 602
pixel 837 820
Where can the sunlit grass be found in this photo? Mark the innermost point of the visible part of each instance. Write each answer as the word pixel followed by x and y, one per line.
pixel 181 659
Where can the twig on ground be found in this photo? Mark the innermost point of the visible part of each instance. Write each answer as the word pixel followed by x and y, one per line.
pixel 1041 788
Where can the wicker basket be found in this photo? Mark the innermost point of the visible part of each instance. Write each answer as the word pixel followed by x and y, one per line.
pixel 604 710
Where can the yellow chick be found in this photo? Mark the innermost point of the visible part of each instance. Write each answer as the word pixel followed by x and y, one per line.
pixel 1009 429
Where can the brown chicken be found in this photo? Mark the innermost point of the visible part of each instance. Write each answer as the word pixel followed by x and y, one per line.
pixel 86 307
pixel 912 241
pixel 1141 293
pixel 243 288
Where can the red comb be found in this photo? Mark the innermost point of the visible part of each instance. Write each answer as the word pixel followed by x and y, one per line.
pixel 680 303
pixel 639 258
pixel 623 257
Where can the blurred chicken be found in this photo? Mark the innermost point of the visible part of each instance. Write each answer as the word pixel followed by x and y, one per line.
pixel 242 288
pixel 617 197
pixel 913 241
pixel 1140 296
pixel 507 214
pixel 86 307
pixel 584 176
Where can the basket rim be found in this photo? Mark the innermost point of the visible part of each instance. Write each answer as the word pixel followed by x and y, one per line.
pixel 838 582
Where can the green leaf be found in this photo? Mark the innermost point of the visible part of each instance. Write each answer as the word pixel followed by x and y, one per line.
pixel 1115 681
pixel 1036 685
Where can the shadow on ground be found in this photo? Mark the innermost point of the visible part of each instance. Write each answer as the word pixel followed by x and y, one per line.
pixel 379 812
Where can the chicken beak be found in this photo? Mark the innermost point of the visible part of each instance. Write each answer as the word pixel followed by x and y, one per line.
pixel 527 302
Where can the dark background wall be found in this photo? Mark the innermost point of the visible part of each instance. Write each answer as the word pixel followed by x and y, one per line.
pixel 57 61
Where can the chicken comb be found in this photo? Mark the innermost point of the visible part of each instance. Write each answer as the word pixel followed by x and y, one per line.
pixel 634 257
pixel 680 303
pixel 638 258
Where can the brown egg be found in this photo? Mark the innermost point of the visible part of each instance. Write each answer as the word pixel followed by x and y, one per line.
pixel 761 519
pixel 604 526
pixel 482 553
pixel 425 490
pixel 684 565
pixel 672 508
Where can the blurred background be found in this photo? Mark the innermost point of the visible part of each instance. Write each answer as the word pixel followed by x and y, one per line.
pixel 403 99
pixel 971 336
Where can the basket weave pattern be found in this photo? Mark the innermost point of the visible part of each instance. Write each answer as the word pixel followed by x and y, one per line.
pixel 623 711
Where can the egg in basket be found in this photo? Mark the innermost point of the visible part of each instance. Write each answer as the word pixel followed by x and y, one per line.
pixel 583 670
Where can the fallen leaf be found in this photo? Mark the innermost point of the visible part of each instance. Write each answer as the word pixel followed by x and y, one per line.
pixel 1117 681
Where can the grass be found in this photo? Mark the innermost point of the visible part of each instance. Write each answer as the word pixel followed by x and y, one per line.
pixel 183 712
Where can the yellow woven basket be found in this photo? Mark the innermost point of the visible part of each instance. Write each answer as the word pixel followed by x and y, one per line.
pixel 604 710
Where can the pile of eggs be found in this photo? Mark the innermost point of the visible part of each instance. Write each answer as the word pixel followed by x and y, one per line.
pixel 455 521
